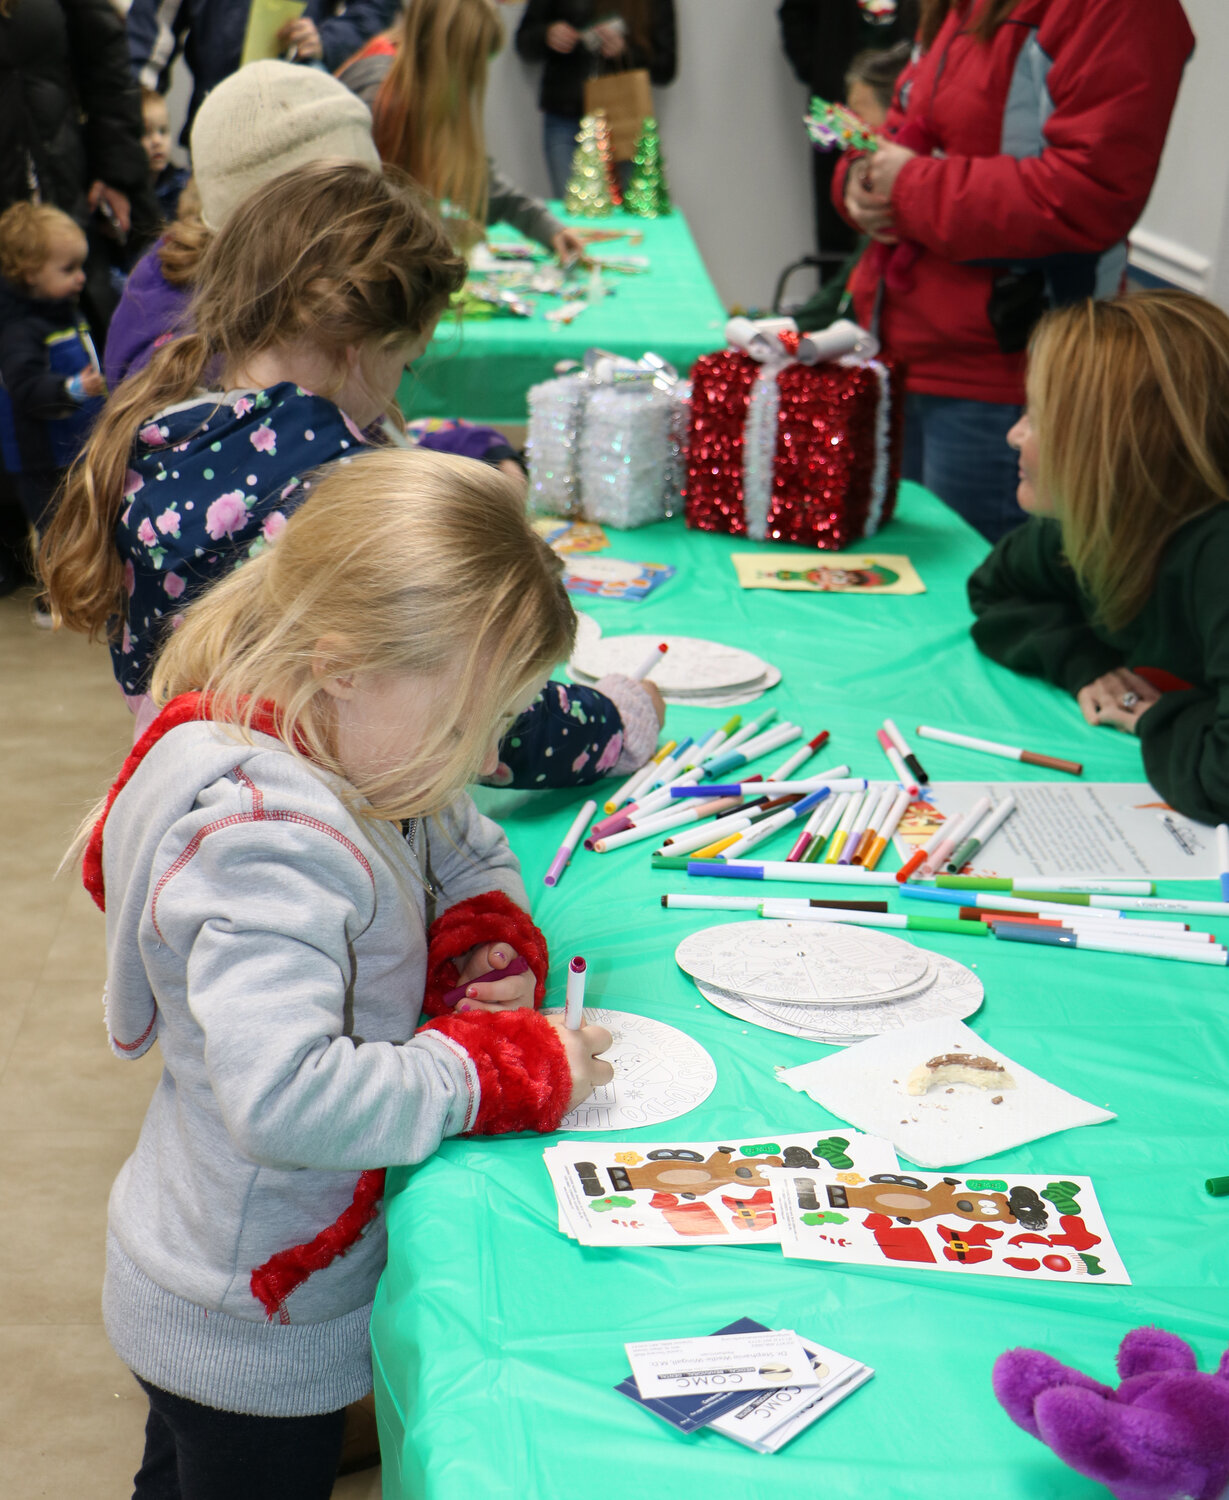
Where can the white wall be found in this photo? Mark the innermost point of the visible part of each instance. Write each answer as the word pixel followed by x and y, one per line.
pixel 1183 235
pixel 737 156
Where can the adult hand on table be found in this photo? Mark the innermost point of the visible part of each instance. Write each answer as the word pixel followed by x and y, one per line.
pixel 583 1049
pixel 513 993
pixel 1120 698
pixel 561 37
pixel 568 246
pixel 303 37
pixel 870 211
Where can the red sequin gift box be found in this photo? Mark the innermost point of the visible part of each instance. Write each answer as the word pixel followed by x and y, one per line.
pixel 787 446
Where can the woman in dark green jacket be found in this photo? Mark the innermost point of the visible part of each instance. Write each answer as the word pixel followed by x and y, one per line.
pixel 1117 589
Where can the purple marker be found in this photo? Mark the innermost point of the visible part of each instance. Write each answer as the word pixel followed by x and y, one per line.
pixel 517 966
pixel 571 839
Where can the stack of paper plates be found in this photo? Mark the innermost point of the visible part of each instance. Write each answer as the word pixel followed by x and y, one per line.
pixel 696 671
pixel 823 981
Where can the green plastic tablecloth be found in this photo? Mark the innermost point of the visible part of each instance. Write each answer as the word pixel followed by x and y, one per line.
pixel 481 368
pixel 497 1340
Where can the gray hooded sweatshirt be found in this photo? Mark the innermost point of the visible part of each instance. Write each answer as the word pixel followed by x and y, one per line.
pixel 275 946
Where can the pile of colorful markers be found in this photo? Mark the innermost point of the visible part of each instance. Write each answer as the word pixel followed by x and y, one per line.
pixel 839 827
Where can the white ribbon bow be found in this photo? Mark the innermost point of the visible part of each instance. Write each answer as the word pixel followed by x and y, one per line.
pixel 761 339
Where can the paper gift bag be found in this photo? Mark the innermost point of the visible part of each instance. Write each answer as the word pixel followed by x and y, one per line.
pixel 627 101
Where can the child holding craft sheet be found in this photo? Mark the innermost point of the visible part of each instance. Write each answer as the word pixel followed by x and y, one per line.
pixel 1116 588
pixel 311 301
pixel 293 879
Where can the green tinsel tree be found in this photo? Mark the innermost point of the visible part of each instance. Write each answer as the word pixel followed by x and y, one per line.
pixel 588 191
pixel 647 195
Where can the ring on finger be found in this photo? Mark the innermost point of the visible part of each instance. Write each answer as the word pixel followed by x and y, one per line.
pixel 1129 700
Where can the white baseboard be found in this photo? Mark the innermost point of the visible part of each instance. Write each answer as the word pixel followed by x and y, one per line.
pixel 1170 261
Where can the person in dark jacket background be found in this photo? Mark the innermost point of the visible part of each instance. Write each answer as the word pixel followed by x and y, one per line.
pixel 553 33
pixel 70 136
pixel 70 127
pixel 821 39
pixel 210 35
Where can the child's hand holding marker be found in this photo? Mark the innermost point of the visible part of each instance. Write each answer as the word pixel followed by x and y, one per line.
pixel 493 977
pixel 583 1044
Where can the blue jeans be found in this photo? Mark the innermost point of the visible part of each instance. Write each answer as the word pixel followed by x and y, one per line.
pixel 559 145
pixel 958 450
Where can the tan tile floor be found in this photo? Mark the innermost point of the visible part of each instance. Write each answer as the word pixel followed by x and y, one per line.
pixel 71 1417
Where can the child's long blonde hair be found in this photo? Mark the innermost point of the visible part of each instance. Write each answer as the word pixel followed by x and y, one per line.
pixel 400 562
pixel 1128 398
pixel 427 116
pixel 332 255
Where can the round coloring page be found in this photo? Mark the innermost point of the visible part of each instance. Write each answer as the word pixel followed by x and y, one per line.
pixel 691 666
pixel 804 963
pixel 659 1074
pixel 953 993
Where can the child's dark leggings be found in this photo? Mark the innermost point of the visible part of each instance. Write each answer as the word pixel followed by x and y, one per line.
pixel 194 1452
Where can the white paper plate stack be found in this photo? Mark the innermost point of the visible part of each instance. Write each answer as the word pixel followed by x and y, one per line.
pixel 695 671
pixel 825 982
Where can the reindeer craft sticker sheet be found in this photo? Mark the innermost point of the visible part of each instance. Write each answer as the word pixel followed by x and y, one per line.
pixel 1034 1228
pixel 699 1192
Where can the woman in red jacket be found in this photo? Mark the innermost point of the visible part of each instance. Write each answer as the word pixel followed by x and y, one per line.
pixel 1022 146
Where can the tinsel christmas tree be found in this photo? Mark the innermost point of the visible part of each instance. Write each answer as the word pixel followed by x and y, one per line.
pixel 606 147
pixel 647 195
pixel 588 192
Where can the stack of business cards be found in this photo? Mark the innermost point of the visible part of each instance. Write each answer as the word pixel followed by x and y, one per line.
pixel 694 1383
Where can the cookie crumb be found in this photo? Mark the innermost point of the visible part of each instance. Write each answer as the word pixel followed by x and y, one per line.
pixel 998 1099
pixel 949 1091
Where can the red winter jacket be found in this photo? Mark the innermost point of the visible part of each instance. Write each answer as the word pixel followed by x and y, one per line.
pixel 1053 182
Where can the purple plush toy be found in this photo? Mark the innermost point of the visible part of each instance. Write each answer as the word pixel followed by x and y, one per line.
pixel 1162 1434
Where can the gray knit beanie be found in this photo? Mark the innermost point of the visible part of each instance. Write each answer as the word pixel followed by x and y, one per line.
pixel 265 119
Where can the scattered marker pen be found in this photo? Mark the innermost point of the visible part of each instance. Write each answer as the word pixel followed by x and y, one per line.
pixel 980 834
pixel 899 769
pixel 993 747
pixel 652 660
pixel 1222 858
pixel 911 760
pixel 455 996
pixel 570 839
pixel 574 1006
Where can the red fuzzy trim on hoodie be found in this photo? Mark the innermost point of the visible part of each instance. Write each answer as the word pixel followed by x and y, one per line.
pixel 185 709
pixel 286 1271
pixel 489 918
pixel 523 1071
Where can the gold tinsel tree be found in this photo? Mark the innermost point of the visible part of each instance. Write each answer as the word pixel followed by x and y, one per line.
pixel 588 191
pixel 647 195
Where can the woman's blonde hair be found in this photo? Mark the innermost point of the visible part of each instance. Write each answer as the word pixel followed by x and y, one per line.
pixel 333 255
pixel 427 115
pixel 401 561
pixel 1128 401
pixel 25 237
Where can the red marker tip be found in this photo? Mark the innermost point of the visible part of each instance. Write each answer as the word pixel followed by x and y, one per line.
pixel 577 965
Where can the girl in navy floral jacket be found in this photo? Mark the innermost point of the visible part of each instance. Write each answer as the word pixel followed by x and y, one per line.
pixel 331 282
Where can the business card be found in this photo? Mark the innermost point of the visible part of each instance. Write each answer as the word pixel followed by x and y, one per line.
pixel 731 1362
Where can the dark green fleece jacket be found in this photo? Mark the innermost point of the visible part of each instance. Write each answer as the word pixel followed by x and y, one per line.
pixel 1033 617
